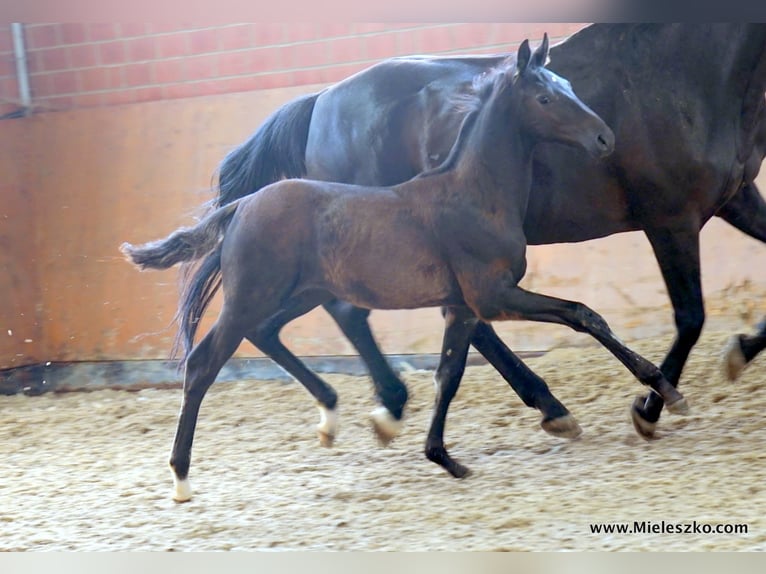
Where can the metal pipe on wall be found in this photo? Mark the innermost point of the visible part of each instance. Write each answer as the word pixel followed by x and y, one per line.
pixel 17 31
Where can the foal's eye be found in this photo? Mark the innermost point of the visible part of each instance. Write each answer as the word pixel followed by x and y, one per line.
pixel 543 99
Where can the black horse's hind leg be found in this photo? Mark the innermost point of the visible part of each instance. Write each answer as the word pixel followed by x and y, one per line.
pixel 266 337
pixel 529 386
pixel 741 349
pixel 747 212
pixel 678 255
pixel 202 367
pixel 459 326
pixel 517 303
pixel 389 388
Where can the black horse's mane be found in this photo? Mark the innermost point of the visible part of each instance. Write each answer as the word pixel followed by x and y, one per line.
pixel 471 103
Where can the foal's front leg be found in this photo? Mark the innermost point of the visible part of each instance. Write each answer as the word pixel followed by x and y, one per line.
pixel 460 324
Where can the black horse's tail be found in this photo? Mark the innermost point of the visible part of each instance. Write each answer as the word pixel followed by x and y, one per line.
pixel 275 151
pixel 201 282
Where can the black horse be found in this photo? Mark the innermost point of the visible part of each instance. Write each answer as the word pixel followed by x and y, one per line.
pixel 454 237
pixel 686 103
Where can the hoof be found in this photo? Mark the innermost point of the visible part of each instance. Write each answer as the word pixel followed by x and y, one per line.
pixel 440 456
pixel 182 491
pixel 386 427
pixel 644 428
pixel 562 427
pixel 679 407
pixel 327 427
pixel 326 440
pixel 733 360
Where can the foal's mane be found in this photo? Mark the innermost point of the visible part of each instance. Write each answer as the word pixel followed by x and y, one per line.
pixel 471 103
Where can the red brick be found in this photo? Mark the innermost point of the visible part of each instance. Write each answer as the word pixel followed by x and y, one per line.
pixel 172 45
pixel 211 87
pixel 470 35
pixel 307 55
pixel 7 108
pixel 88 100
pixel 38 36
pixel 175 91
pixel 300 32
pixel 53 59
pixel 267 33
pixel 337 73
pixel 118 98
pixel 93 79
pixel 58 103
pixel 112 53
pixel 6 40
pixel 63 82
pixel 83 56
pixel 168 71
pixel 137 74
pixel 368 27
pixel 309 76
pixel 148 94
pixel 72 33
pixel 408 43
pixel 9 89
pixel 202 67
pixel 132 29
pixel 266 59
pixel 140 49
pixel 335 29
pixel 235 63
pixel 345 50
pixel 203 41
pixel 39 85
pixel 235 37
pixel 101 31
pixel 436 40
pixel 273 81
pixel 240 84
pixel 380 46
pixel 7 64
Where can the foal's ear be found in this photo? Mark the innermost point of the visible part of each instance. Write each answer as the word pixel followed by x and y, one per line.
pixel 522 58
pixel 540 57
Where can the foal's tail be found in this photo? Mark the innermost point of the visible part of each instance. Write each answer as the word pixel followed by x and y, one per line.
pixel 185 244
pixel 200 282
pixel 275 151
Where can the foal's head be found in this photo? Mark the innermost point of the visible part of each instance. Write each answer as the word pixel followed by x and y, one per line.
pixel 546 109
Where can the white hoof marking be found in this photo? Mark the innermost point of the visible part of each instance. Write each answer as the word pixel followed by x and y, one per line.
pixel 183 491
pixel 328 421
pixel 385 423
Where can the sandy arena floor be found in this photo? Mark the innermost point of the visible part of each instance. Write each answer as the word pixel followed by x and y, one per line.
pixel 88 471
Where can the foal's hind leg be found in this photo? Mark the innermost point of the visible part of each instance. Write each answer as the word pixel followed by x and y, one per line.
pixel 459 327
pixel 389 388
pixel 202 367
pixel 266 338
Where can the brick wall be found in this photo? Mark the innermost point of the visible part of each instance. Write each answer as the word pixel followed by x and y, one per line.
pixel 99 64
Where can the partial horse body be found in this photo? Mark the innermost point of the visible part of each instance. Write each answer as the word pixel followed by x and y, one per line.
pixel 687 105
pixel 454 235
